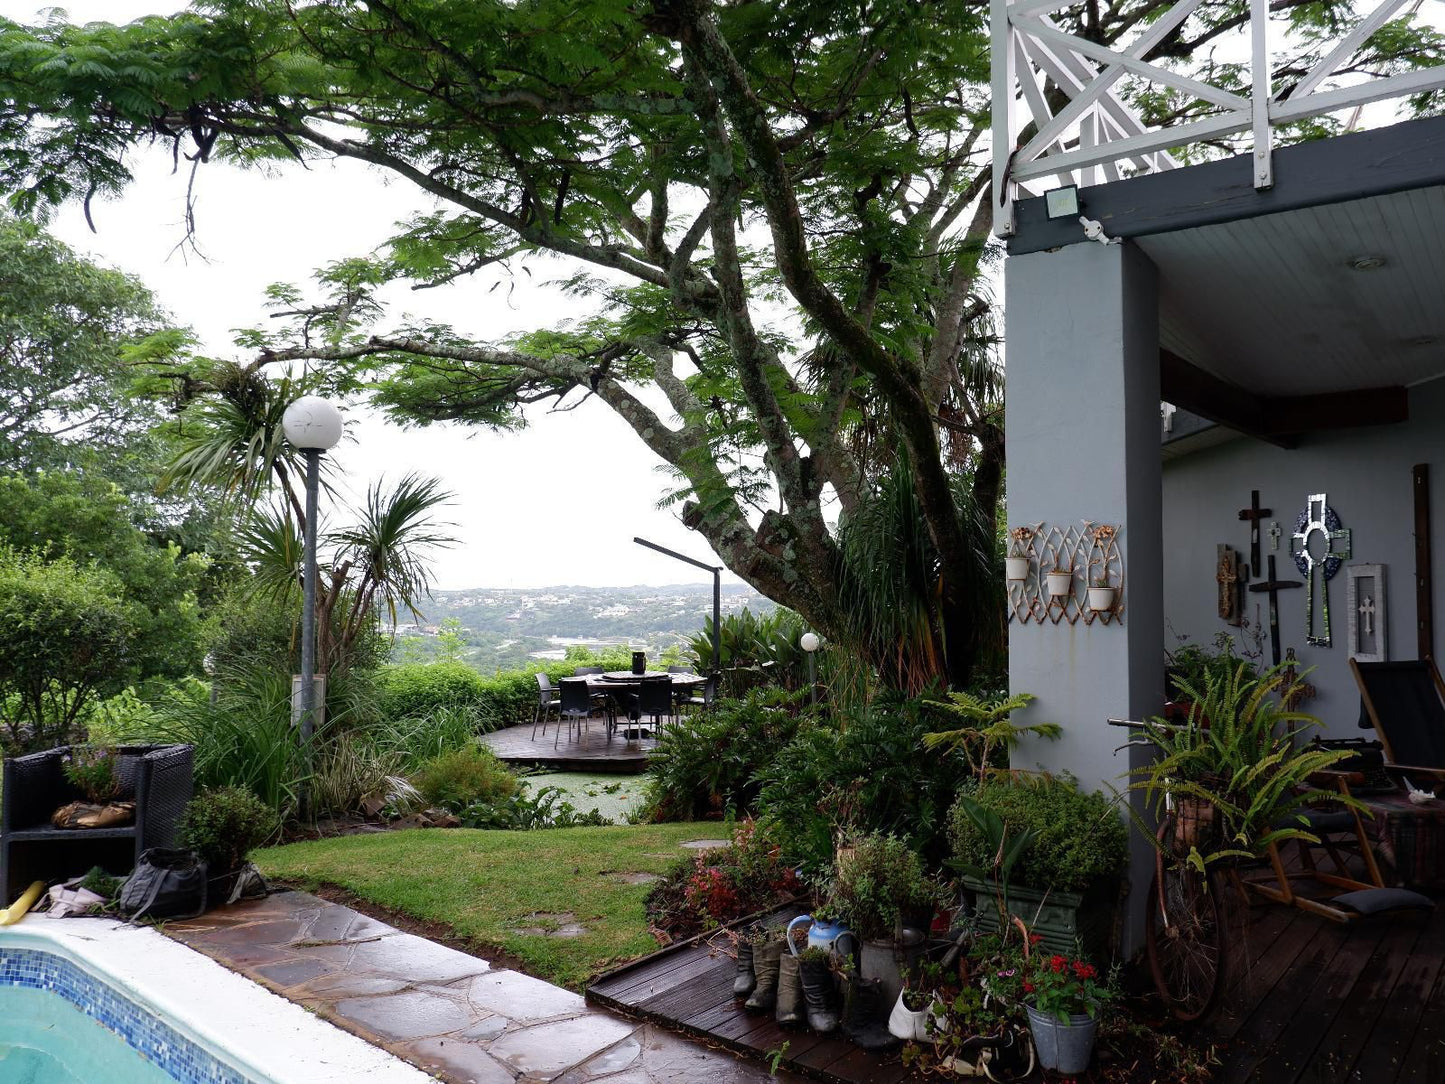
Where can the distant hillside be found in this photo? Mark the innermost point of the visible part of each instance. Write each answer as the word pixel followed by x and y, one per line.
pixel 505 627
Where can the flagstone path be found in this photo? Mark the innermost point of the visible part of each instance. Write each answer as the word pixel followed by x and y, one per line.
pixel 450 1013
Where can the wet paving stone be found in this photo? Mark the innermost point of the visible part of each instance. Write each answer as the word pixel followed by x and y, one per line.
pixel 547 1050
pixel 459 1061
pixel 522 998
pixel 408 1015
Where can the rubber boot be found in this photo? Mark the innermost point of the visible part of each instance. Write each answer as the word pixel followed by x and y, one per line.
pixel 819 995
pixel 789 1011
pixel 766 960
pixel 863 1016
pixel 744 983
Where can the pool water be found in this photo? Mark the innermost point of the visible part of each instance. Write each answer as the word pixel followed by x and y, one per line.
pixel 44 1039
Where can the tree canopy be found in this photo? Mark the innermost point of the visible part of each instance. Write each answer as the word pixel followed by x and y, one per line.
pixel 775 209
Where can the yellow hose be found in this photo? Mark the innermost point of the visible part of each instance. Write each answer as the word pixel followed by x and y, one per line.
pixel 16 910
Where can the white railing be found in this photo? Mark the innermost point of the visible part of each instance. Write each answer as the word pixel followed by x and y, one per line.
pixel 1095 135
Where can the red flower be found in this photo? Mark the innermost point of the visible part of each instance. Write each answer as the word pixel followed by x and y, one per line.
pixel 1057 964
pixel 1083 970
pixel 1035 938
pixel 1028 987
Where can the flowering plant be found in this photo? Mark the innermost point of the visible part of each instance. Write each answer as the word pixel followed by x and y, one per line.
pixel 1064 987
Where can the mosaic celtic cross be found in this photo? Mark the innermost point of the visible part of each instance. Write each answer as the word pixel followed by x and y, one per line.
pixel 1319 517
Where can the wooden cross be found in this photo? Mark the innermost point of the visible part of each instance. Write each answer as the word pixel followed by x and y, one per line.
pixel 1254 513
pixel 1227 576
pixel 1337 547
pixel 1272 587
pixel 1274 533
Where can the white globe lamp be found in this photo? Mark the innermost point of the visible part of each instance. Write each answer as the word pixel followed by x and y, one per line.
pixel 809 642
pixel 312 422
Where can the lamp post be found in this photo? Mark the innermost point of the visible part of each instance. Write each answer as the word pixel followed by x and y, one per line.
pixel 716 571
pixel 312 425
pixel 810 643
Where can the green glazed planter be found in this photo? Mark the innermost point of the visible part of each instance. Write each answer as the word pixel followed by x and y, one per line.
pixel 1065 920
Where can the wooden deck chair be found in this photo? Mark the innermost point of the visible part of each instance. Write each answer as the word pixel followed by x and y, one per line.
pixel 1405 703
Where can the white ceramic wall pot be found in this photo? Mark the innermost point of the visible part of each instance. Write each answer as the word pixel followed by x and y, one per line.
pixel 1101 599
pixel 1061 584
pixel 1017 568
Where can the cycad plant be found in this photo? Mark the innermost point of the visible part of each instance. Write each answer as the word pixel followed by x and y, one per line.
pixel 1246 762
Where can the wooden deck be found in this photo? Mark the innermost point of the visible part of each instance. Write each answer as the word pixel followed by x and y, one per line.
pixel 1307 1002
pixel 591 752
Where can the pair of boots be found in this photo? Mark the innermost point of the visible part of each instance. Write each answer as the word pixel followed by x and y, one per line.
pixel 775 980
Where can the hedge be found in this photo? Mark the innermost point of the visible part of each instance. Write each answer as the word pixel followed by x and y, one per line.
pixel 418 689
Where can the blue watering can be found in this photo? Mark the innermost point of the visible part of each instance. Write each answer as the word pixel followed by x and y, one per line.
pixel 821 934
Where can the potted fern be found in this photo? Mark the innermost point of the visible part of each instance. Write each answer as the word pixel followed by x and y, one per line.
pixel 1242 781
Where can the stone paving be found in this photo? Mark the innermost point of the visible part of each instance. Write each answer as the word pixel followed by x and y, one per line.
pixel 452 1014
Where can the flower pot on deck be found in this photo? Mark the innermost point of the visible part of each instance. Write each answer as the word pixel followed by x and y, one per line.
pixel 1065 1046
pixel 1067 921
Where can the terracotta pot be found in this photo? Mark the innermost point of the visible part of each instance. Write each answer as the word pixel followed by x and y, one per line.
pixel 1193 821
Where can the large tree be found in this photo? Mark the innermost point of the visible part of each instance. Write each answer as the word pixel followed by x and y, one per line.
pixel 704 166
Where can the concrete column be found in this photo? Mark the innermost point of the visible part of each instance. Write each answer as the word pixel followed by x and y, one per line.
pixel 1083 443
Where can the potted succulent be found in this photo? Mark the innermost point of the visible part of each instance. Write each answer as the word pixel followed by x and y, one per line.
pixel 1039 848
pixel 1061 582
pixel 880 893
pixel 93 770
pixel 1101 593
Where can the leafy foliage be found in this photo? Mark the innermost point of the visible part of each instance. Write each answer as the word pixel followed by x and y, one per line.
pixel 526 810
pixel 986 736
pixel 1074 838
pixel 708 764
pixel 223 826
pixel 1244 763
pixel 67 639
pixel 753 650
pixel 462 777
pixel 719 886
pixel 878 884
pixel 91 770
pixel 866 773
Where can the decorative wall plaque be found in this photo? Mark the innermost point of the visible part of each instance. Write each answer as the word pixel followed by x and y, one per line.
pixel 1366 596
pixel 1319 545
pixel 1065 574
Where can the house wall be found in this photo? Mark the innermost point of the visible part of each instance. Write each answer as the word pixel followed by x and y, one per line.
pixel 1366 475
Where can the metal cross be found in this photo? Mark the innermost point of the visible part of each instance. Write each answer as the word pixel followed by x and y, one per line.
pixel 1337 547
pixel 1367 615
pixel 1274 533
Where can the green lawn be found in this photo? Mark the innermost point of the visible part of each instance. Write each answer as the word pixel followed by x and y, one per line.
pixel 489 885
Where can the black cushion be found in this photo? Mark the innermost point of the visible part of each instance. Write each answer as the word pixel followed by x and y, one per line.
pixel 1379 901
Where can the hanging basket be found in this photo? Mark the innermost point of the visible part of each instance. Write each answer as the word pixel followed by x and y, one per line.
pixel 1193 822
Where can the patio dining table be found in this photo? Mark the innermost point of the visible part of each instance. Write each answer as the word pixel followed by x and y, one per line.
pixel 622 686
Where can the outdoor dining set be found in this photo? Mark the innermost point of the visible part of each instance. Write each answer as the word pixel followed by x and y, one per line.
pixel 660 696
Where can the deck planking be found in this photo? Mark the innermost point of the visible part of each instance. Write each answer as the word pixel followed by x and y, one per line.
pixel 1307 1001
pixel 589 751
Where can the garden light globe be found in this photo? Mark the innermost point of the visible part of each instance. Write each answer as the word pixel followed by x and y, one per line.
pixel 312 422
pixel 809 642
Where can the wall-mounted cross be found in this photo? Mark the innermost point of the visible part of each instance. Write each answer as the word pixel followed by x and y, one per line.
pixel 1319 517
pixel 1272 587
pixel 1367 616
pixel 1254 513
pixel 1274 533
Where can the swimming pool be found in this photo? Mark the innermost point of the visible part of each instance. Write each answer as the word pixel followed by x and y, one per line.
pixel 94 1001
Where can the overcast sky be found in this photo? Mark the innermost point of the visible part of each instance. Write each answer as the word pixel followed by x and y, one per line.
pixel 557 503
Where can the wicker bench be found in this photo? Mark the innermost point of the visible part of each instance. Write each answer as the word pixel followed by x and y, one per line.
pixel 157 777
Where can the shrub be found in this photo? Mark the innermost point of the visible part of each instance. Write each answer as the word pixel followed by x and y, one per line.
pixel 708 764
pixel 722 885
pixel 223 826
pixel 525 810
pixel 419 690
pixel 1079 838
pixel 869 775
pixel 464 777
pixel 879 882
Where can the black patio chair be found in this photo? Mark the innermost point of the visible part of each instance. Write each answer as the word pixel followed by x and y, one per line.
pixel 546 702
pixel 703 700
pixel 654 698
pixel 576 707
pixel 1405 703
pixel 156 777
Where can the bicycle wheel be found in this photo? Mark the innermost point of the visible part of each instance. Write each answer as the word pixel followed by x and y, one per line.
pixel 1184 936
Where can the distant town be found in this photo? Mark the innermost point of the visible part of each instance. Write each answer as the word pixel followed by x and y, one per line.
pixel 504 627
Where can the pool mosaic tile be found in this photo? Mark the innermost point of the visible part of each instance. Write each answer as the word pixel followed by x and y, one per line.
pixel 156 1040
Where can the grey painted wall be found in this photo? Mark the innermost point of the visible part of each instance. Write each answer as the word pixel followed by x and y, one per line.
pixel 1083 443
pixel 1366 475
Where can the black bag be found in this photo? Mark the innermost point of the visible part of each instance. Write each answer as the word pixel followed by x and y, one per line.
pixel 166 884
